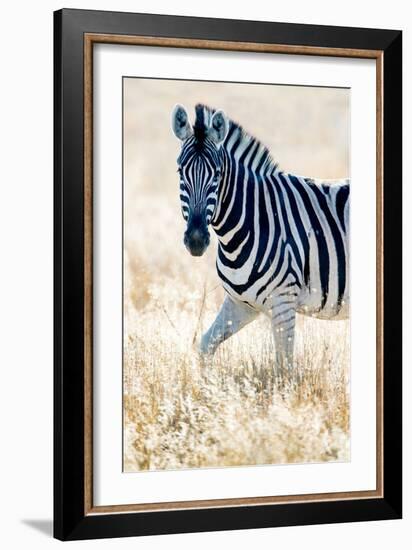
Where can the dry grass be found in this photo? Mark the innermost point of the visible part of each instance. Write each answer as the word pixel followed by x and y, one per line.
pixel 182 414
pixel 235 411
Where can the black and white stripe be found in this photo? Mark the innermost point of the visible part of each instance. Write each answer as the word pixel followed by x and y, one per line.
pixel 283 239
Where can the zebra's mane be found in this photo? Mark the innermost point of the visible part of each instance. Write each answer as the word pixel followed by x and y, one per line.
pixel 203 115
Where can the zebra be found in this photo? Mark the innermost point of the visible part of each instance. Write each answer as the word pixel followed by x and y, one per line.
pixel 283 239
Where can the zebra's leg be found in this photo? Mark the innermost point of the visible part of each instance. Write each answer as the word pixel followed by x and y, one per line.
pixel 233 316
pixel 283 326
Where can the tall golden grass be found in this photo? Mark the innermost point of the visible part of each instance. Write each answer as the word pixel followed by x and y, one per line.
pixel 179 413
pixel 235 411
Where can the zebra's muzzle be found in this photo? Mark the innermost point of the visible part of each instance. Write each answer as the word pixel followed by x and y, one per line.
pixel 196 241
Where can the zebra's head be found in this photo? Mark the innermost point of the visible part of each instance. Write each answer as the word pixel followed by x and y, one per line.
pixel 200 167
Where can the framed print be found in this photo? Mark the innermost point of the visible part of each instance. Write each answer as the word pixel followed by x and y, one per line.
pixel 227 274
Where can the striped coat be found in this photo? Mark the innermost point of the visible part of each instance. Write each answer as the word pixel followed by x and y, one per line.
pixel 283 240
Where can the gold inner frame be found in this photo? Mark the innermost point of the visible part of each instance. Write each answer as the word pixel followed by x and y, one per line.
pixel 89 40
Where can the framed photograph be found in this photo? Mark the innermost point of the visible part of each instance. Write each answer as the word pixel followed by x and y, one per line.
pixel 227 274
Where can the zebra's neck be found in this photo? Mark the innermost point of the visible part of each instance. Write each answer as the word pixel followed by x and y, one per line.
pixel 247 166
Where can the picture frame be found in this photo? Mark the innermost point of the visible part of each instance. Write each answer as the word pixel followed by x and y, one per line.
pixel 76 32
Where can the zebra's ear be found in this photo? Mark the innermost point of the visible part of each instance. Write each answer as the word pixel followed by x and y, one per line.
pixel 219 127
pixel 180 123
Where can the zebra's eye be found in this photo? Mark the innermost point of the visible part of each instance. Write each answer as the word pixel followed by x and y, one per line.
pixel 217 175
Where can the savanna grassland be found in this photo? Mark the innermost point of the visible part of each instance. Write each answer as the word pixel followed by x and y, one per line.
pixel 235 411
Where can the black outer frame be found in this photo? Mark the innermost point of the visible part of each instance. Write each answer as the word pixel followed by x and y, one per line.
pixel 70 522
